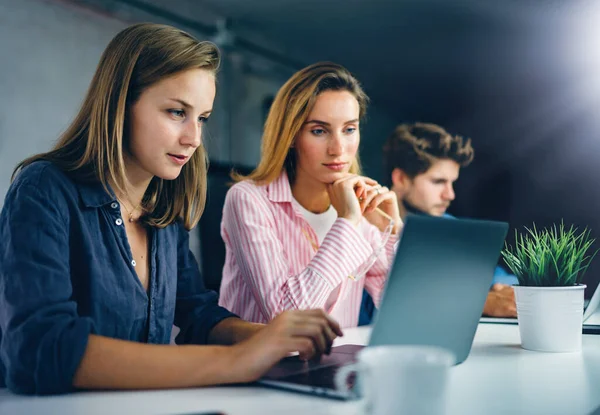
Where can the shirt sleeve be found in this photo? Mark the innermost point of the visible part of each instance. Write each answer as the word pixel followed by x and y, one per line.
pixel 503 277
pixel 377 274
pixel 44 338
pixel 250 229
pixel 196 308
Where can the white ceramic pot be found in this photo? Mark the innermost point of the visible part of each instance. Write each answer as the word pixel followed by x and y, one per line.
pixel 550 318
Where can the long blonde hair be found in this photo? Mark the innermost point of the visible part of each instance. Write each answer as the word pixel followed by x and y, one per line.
pixel 291 107
pixel 92 146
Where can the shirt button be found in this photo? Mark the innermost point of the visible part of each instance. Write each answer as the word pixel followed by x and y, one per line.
pixel 114 205
pixel 133 262
pixel 119 222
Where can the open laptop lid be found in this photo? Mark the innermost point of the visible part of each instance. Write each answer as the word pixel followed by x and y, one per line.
pixel 434 295
pixel 592 306
pixel 439 282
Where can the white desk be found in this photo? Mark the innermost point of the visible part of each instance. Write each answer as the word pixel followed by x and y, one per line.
pixel 498 378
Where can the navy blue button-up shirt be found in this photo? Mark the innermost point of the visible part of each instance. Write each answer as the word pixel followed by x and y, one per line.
pixel 66 271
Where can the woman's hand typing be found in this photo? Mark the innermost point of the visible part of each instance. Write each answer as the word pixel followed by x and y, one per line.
pixel 309 332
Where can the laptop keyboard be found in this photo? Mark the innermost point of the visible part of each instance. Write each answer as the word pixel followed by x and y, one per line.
pixel 317 374
pixel 320 378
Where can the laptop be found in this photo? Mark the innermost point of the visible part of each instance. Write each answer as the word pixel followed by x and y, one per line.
pixel 589 309
pixel 434 295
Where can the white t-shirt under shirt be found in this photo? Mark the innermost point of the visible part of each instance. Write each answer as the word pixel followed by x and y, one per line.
pixel 321 224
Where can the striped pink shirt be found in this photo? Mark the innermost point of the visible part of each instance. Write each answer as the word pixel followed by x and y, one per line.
pixel 271 266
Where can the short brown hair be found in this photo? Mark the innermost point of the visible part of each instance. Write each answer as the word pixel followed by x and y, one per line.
pixel 290 109
pixel 413 148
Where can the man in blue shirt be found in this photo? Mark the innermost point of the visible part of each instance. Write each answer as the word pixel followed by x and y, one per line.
pixel 423 161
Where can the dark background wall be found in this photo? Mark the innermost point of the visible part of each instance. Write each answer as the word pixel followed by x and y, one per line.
pixel 519 77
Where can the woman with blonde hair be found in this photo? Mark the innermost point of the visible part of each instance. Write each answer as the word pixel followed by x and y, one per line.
pixel 304 228
pixel 95 266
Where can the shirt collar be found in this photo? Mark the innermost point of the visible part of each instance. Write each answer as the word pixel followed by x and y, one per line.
pixel 94 195
pixel 412 210
pixel 279 190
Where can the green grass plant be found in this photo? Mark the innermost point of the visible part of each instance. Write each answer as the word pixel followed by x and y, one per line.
pixel 551 257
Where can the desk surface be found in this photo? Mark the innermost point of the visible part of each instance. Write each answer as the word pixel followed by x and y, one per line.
pixel 498 378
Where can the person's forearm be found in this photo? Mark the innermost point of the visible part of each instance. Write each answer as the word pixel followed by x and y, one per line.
pixel 117 364
pixel 233 330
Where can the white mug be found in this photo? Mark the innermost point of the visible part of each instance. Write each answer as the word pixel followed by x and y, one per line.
pixel 402 379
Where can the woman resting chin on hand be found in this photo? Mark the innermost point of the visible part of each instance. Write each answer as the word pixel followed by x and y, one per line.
pixel 305 229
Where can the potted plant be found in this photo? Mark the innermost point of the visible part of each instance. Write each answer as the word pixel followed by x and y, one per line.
pixel 549 265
